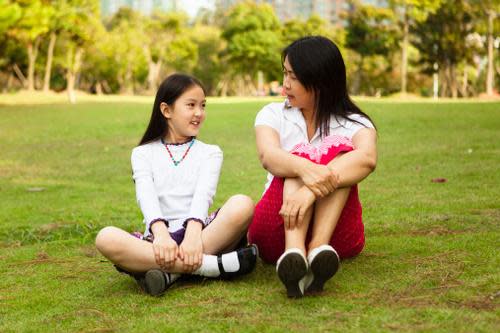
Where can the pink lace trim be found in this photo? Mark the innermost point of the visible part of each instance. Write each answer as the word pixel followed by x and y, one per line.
pixel 315 153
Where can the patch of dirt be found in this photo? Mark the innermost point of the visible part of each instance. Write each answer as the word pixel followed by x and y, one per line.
pixel 435 231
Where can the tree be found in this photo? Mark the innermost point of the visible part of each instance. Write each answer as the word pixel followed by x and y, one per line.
pixel 33 23
pixel 295 28
pixel 252 32
pixel 486 11
pixel 168 46
pixel 10 13
pixel 441 40
pixel 408 13
pixel 81 26
pixel 370 32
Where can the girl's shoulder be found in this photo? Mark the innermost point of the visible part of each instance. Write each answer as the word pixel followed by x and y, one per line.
pixel 145 150
pixel 208 148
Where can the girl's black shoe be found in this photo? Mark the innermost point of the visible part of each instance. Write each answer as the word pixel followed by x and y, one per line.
pixel 247 257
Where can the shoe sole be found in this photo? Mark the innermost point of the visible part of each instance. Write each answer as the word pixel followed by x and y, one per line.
pixel 324 266
pixel 154 282
pixel 291 270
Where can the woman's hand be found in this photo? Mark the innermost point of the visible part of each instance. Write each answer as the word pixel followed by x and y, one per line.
pixel 295 206
pixel 165 250
pixel 319 179
pixel 191 248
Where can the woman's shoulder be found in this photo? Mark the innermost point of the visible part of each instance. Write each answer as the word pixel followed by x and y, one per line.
pixel 353 119
pixel 274 107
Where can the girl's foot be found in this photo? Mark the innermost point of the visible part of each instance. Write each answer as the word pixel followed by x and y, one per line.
pixel 291 268
pixel 156 281
pixel 244 259
pixel 324 263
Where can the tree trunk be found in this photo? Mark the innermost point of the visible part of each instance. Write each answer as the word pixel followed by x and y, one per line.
pixel 453 81
pixel 20 75
pixel 358 78
pixel 465 82
pixel 48 65
pixel 32 54
pixel 490 76
pixel 72 72
pixel 404 52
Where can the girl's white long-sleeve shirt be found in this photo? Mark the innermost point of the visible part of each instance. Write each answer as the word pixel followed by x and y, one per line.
pixel 175 193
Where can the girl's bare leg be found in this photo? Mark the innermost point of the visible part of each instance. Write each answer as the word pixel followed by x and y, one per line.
pixel 136 255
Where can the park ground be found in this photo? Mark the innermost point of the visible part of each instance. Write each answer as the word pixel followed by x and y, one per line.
pixel 431 212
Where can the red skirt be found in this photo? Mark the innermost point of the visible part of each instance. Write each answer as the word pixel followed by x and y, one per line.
pixel 267 229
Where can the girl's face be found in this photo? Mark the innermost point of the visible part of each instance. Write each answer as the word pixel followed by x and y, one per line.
pixel 296 93
pixel 186 115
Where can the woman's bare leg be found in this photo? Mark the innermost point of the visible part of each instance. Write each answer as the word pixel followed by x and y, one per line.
pixel 326 215
pixel 296 237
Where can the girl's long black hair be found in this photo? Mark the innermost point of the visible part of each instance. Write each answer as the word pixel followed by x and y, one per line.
pixel 319 66
pixel 168 92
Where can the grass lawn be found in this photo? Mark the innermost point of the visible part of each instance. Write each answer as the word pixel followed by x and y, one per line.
pixel 431 261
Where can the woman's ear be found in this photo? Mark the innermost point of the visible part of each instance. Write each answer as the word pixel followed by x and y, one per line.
pixel 165 110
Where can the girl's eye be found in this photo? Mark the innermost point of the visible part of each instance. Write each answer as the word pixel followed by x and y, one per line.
pixel 203 105
pixel 191 105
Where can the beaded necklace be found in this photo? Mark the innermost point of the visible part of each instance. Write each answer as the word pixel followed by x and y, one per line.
pixel 176 163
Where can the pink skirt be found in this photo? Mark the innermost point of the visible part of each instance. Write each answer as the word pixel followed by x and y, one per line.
pixel 267 229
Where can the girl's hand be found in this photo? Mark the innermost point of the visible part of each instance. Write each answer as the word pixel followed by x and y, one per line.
pixel 191 248
pixel 165 250
pixel 319 179
pixel 295 206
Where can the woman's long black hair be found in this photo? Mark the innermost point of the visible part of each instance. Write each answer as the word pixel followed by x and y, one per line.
pixel 319 66
pixel 168 92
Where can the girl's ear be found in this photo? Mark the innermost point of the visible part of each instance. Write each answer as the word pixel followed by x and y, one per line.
pixel 165 110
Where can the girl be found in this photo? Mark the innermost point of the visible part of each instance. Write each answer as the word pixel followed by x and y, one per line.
pixel 317 146
pixel 176 178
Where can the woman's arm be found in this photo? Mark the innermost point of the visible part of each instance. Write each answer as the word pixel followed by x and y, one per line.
pixel 356 165
pixel 284 164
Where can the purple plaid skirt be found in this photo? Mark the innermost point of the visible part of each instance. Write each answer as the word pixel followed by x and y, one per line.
pixel 178 235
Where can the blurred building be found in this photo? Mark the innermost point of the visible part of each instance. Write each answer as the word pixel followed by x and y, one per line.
pixel 109 7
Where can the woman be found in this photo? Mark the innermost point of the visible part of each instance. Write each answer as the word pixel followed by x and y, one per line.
pixel 317 145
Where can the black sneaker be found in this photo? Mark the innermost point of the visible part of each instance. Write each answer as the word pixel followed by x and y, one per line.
pixel 156 282
pixel 247 257
pixel 291 269
pixel 324 264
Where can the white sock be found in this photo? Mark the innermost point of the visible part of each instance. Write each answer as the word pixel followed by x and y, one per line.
pixel 210 267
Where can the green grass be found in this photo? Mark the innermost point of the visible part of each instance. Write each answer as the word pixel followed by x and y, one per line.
pixel 431 262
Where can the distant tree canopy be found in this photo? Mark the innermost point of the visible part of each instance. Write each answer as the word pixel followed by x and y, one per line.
pixel 65 45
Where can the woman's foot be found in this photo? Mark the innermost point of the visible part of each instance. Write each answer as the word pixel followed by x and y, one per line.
pixel 291 268
pixel 324 263
pixel 242 261
pixel 156 281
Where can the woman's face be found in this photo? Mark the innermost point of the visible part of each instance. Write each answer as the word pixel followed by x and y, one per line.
pixel 297 95
pixel 186 115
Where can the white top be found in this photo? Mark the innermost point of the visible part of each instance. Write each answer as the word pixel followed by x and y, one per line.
pixel 175 193
pixel 292 129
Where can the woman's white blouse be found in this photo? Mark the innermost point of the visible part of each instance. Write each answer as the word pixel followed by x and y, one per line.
pixel 175 193
pixel 292 129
